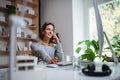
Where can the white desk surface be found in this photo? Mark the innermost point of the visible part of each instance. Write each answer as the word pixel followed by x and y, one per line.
pixel 61 73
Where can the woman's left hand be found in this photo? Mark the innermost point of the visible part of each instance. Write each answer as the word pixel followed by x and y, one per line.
pixel 55 60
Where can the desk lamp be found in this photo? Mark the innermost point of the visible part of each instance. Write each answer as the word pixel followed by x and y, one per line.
pixel 101 34
pixel 14 22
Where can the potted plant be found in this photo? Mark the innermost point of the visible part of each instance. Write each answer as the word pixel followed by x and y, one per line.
pixel 90 48
pixel 11 9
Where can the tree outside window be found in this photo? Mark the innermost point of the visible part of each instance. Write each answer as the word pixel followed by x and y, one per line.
pixel 110 16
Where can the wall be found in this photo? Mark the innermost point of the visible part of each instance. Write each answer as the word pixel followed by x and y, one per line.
pixel 71 18
pixel 60 13
pixel 78 22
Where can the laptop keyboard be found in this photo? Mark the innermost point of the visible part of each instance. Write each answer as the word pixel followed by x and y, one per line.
pixel 64 63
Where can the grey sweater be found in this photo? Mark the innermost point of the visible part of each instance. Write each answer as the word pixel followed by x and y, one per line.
pixel 46 52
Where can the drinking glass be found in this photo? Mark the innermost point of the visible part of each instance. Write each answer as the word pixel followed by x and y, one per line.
pixel 76 63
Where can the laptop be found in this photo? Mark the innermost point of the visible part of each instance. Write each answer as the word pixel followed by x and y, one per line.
pixel 64 63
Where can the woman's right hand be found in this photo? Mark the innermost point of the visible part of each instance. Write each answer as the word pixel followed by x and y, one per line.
pixel 56 39
pixel 54 60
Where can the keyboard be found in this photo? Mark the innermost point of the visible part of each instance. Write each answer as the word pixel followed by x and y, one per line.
pixel 64 63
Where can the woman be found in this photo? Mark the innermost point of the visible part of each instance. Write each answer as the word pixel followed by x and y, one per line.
pixel 49 48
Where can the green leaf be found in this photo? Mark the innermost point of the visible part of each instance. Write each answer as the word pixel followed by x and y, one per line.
pixel 105 58
pixel 92 55
pixel 118 42
pixel 88 57
pixel 89 51
pixel 88 43
pixel 118 49
pixel 78 49
pixel 96 51
pixel 80 42
pixel 84 56
pixel 95 44
pixel 107 48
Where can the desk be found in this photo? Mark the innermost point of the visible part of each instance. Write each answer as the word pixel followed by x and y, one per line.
pixel 41 72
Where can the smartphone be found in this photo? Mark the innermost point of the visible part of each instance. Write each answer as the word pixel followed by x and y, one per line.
pixel 52 40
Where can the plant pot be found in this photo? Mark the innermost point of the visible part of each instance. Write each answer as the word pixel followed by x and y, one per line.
pixel 11 9
pixel 85 62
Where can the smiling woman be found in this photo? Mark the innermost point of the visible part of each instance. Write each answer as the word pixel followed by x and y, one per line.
pixel 49 48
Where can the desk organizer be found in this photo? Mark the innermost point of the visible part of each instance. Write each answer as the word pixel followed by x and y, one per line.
pixel 26 63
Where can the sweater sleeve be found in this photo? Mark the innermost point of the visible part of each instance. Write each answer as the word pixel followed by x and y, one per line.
pixel 59 51
pixel 39 50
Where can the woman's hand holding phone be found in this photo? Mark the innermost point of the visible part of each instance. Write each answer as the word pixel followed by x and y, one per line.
pixel 55 38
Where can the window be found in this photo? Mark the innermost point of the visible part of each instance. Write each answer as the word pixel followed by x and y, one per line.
pixel 110 15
